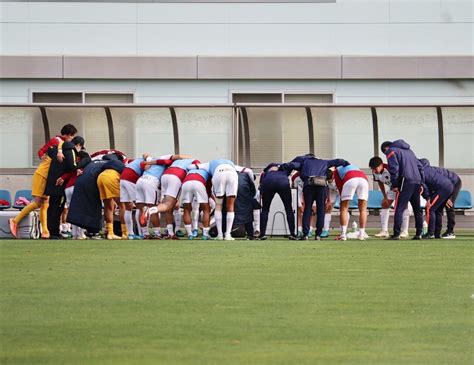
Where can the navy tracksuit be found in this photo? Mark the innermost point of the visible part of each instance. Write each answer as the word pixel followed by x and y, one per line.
pixel 406 173
pixel 271 183
pixel 312 166
pixel 438 187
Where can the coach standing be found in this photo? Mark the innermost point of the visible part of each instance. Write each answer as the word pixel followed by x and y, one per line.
pixel 406 177
pixel 313 173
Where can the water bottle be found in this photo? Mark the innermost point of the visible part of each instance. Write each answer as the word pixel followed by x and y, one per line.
pixel 425 227
pixel 354 226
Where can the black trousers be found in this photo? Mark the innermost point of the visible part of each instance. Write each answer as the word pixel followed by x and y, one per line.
pixel 410 193
pixel 450 213
pixel 269 190
pixel 310 195
pixel 55 210
pixel 435 213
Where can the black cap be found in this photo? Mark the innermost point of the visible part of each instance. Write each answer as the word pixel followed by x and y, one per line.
pixel 385 145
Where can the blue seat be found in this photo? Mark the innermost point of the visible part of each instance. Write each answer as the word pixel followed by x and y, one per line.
pixel 22 193
pixel 464 200
pixel 5 195
pixel 375 199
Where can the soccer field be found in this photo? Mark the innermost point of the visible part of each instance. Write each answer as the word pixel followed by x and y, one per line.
pixel 243 302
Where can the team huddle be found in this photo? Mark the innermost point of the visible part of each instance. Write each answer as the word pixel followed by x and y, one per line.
pixel 77 191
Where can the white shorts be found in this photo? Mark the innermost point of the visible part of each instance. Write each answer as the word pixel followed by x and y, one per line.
pixel 194 189
pixel 68 192
pixel 170 185
pixel 128 191
pixel 357 185
pixel 148 190
pixel 225 181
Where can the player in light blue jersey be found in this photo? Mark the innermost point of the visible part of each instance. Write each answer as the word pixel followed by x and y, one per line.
pixel 224 183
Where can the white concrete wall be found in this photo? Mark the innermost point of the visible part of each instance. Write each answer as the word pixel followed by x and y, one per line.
pixel 350 27
pixel 217 91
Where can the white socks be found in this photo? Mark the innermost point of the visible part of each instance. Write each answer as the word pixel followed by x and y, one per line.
pixel 156 231
pixel 327 221
pixel 230 221
pixel 188 229
pixel 218 217
pixel 384 215
pixel 205 231
pixel 177 219
pixel 256 220
pixel 406 220
pixel 343 230
pixel 128 221
pixel 169 228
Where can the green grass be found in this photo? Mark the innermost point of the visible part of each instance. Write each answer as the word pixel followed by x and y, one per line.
pixel 245 302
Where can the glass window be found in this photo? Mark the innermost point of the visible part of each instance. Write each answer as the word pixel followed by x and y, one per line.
pixel 204 133
pixel 417 126
pixel 277 134
pixel 91 124
pixel 458 126
pixel 21 135
pixel 344 133
pixel 140 130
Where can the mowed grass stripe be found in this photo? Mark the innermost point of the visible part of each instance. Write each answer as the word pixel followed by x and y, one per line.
pixel 249 302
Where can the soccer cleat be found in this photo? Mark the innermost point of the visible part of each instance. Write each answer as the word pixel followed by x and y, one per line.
pixel 13 228
pixel 190 237
pixel 205 238
pixel 404 234
pixel 65 234
pixel 361 237
pixel 428 236
pixel 324 234
pixel 195 232
pixel 229 238
pixel 448 235
pixel 310 233
pixel 179 233
pixel 417 237
pixel 382 234
pixel 113 237
pixel 171 237
pixel 393 238
pixel 303 238
pixel 263 238
pixel 292 238
pixel 317 238
pixel 340 238
pixel 219 238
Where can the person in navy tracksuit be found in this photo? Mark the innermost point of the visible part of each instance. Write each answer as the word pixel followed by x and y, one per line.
pixel 406 177
pixel 438 187
pixel 274 181
pixel 310 166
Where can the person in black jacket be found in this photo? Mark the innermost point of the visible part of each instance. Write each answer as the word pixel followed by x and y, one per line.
pixel 55 191
pixel 85 209
pixel 274 181
pixel 313 173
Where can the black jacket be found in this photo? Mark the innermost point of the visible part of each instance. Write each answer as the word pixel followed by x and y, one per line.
pixel 57 168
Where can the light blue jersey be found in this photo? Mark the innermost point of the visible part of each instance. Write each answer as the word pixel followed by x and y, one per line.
pixel 201 172
pixel 155 170
pixel 215 163
pixel 342 171
pixel 182 164
pixel 135 165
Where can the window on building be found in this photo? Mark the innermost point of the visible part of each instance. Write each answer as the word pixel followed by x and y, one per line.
pixel 458 125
